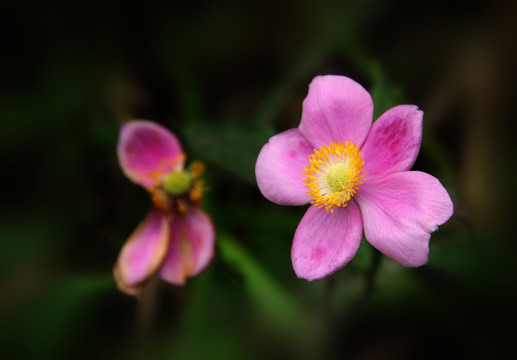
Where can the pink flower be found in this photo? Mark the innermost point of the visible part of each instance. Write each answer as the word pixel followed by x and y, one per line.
pixel 176 239
pixel 356 175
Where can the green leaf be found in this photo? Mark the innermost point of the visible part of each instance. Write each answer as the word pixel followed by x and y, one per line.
pixel 269 295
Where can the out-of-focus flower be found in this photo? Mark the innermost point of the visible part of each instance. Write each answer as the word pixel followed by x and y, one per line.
pixel 176 239
pixel 356 176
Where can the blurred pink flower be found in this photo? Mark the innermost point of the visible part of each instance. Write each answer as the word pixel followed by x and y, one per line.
pixel 176 239
pixel 356 176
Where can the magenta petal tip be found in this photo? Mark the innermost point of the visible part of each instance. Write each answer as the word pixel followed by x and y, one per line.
pixel 325 242
pixel 147 151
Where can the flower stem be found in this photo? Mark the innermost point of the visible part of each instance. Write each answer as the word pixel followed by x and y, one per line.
pixel 146 309
pixel 371 273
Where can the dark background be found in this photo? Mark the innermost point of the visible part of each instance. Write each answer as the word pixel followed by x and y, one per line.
pixel 225 76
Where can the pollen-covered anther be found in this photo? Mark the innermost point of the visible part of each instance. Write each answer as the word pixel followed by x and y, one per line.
pixel 160 198
pixel 196 192
pixel 196 169
pixel 333 175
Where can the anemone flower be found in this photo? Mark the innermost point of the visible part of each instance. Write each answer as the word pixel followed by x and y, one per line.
pixel 356 176
pixel 176 239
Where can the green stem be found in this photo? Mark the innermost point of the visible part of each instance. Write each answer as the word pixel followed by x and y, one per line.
pixel 371 274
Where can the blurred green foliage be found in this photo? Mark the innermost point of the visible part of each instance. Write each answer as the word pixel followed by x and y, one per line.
pixel 225 76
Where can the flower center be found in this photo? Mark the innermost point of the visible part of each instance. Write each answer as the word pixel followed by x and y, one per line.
pixel 334 175
pixel 177 182
pixel 179 188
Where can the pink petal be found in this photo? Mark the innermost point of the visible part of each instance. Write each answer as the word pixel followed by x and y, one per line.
pixel 279 168
pixel 400 211
pixel 325 242
pixel 143 252
pixel 336 109
pixel 136 290
pixel 191 246
pixel 393 142
pixel 147 151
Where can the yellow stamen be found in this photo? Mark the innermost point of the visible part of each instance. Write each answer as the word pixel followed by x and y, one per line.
pixel 334 175
pixel 160 198
pixel 196 193
pixel 196 169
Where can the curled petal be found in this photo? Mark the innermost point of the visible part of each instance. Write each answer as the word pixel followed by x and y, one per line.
pixel 135 290
pixel 279 168
pixel 325 242
pixel 400 211
pixel 336 109
pixel 393 142
pixel 147 151
pixel 191 246
pixel 143 252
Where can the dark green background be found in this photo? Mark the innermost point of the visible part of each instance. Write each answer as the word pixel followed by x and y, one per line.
pixel 225 76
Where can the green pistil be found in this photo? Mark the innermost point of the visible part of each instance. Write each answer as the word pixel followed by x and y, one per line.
pixel 336 176
pixel 177 183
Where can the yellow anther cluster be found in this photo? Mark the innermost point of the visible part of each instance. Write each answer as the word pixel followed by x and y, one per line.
pixel 334 174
